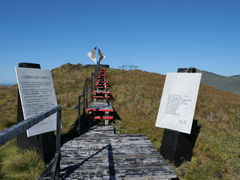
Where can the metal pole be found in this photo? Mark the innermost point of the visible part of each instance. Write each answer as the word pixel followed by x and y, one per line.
pixel 79 113
pixel 55 172
pixel 58 143
pixel 78 108
pixel 92 82
pixel 87 93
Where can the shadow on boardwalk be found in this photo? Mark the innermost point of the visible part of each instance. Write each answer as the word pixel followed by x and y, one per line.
pixel 101 154
pixel 70 169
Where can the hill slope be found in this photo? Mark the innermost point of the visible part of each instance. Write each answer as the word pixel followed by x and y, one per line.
pixel 225 83
pixel 137 97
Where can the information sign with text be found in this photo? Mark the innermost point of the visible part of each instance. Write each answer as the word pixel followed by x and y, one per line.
pixel 178 101
pixel 37 95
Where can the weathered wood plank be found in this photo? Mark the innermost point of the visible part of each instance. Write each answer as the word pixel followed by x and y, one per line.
pixel 19 128
pixel 100 106
pixel 143 173
pixel 119 162
pixel 152 155
pixel 100 92
pixel 101 154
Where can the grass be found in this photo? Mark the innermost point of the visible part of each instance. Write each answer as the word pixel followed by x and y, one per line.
pixel 137 96
pixel 217 150
pixel 19 164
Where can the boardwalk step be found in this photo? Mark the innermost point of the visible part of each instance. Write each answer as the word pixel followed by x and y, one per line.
pixel 101 92
pixel 100 106
pixel 101 97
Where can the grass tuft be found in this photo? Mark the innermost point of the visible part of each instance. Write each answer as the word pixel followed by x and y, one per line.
pixel 19 164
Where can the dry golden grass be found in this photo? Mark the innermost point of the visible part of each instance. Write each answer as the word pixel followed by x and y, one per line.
pixel 137 96
pixel 19 164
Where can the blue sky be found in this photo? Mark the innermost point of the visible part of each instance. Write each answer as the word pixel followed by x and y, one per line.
pixel 157 35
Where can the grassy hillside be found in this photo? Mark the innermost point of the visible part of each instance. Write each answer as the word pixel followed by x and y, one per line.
pixel 137 95
pixel 217 149
pixel 225 83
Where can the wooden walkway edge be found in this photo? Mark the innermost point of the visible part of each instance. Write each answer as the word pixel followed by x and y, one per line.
pixel 101 154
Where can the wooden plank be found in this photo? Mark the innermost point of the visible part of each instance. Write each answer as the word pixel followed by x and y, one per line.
pixel 100 106
pixel 152 155
pixel 102 83
pixel 112 172
pixel 102 87
pixel 103 117
pixel 100 97
pixel 101 154
pixel 101 92
pixel 21 127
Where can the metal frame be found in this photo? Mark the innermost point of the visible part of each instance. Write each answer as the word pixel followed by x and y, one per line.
pixel 128 67
pixel 83 100
pixel 80 97
pixel 88 85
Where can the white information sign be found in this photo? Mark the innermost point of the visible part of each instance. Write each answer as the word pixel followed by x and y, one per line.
pixel 178 101
pixel 37 95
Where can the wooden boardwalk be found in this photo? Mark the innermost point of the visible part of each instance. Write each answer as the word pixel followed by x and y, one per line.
pixel 101 154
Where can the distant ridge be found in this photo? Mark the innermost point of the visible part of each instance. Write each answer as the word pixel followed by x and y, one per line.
pixel 6 84
pixel 225 83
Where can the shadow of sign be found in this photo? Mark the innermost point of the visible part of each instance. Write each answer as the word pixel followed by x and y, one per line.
pixel 111 167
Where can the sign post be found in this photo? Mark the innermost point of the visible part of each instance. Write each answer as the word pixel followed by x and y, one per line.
pixel 176 114
pixel 34 97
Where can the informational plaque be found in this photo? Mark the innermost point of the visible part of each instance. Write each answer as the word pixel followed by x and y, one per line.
pixel 178 101
pixel 37 95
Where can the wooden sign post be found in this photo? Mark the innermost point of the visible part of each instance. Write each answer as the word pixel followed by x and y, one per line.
pixel 176 115
pixel 44 143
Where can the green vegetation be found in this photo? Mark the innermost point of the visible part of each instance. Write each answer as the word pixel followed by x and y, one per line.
pixel 137 96
pixel 19 164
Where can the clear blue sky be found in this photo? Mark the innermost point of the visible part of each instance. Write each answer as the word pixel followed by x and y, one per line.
pixel 158 36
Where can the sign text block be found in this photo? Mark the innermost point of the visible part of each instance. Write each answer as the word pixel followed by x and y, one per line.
pixel 178 101
pixel 37 95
